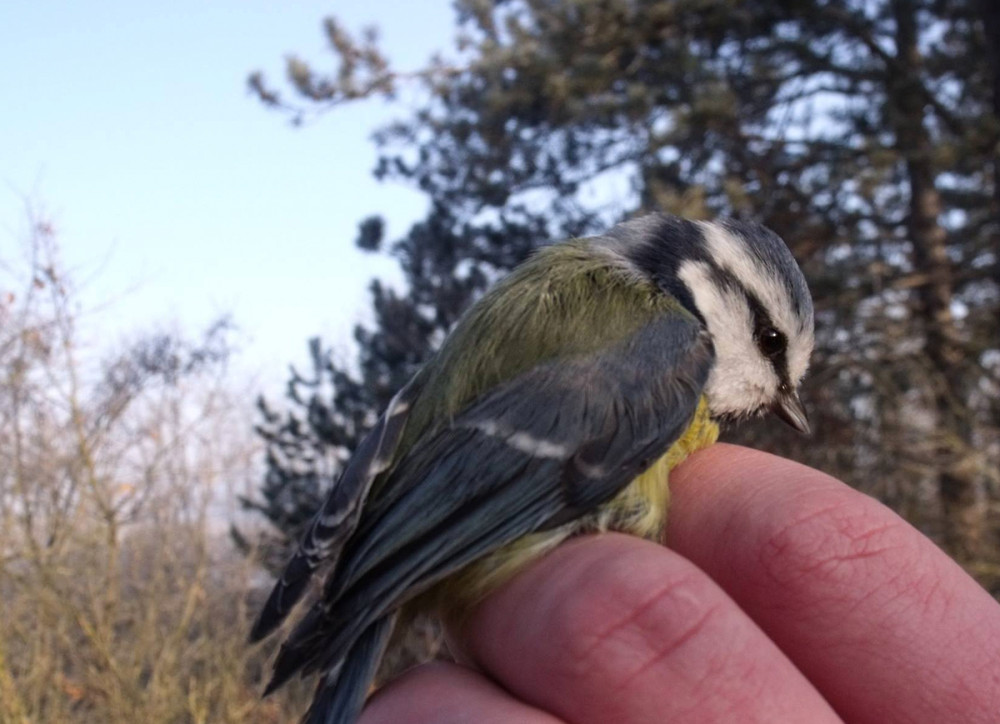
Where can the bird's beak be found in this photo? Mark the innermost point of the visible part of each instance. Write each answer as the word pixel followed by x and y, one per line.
pixel 789 408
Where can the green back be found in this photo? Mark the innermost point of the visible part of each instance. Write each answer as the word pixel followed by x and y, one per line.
pixel 564 301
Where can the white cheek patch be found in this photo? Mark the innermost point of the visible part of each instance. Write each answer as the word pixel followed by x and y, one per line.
pixel 732 255
pixel 741 381
pixel 800 352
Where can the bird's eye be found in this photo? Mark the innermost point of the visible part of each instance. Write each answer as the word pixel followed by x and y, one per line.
pixel 771 342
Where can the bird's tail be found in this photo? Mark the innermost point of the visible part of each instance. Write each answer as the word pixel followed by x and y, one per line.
pixel 341 692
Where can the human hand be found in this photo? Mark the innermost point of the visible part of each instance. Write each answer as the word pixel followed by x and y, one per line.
pixel 784 596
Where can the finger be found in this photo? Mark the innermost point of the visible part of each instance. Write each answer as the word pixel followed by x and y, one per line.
pixel 442 693
pixel 883 622
pixel 616 629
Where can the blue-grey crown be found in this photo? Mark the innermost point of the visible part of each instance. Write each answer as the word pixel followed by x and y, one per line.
pixel 657 245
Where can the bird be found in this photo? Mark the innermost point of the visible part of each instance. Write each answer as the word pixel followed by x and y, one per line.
pixel 555 407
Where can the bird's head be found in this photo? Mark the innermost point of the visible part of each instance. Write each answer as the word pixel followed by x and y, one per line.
pixel 742 282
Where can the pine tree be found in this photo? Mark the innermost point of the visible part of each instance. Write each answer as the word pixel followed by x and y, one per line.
pixel 865 132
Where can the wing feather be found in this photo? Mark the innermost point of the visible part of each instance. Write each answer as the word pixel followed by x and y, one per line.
pixel 541 449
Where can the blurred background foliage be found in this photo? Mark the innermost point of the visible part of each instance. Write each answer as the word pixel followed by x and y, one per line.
pixel 123 598
pixel 865 132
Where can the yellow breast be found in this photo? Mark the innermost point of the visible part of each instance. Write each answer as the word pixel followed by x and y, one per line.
pixel 640 509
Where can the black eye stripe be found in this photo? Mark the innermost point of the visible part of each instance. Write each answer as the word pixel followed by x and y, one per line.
pixel 772 343
pixel 726 279
pixel 762 322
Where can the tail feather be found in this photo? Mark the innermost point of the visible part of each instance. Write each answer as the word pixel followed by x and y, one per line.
pixel 335 522
pixel 342 690
pixel 285 594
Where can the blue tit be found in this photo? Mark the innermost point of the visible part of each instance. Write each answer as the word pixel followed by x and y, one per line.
pixel 556 406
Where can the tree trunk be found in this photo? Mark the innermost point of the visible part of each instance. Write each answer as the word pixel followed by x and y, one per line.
pixel 991 38
pixel 957 480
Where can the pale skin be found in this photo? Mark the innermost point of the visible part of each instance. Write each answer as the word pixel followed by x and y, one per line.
pixel 781 595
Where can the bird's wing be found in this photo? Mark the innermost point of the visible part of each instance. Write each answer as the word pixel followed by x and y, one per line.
pixel 539 450
pixel 321 544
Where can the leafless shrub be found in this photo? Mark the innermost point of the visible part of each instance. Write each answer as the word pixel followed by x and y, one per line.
pixel 123 599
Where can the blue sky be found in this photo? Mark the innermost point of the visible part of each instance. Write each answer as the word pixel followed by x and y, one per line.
pixel 175 194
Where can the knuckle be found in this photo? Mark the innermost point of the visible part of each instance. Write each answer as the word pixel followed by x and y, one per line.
pixel 830 545
pixel 628 617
